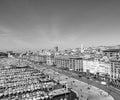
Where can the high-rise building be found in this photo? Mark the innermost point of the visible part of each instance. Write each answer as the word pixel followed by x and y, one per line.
pixel 82 49
pixel 72 63
pixel 56 48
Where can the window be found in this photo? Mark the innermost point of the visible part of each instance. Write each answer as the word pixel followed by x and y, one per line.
pixel 115 71
pixel 110 54
pixel 105 54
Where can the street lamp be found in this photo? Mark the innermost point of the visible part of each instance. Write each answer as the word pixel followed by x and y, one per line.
pixel 109 90
pixel 70 92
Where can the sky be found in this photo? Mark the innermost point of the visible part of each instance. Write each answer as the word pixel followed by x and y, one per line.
pixel 43 24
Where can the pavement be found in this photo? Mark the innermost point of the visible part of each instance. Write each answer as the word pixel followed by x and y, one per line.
pixel 80 84
pixel 84 90
pixel 115 93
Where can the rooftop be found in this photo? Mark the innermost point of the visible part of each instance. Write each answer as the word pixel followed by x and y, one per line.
pixel 112 50
pixel 68 57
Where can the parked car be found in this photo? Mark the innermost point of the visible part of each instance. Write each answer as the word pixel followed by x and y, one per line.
pixel 103 83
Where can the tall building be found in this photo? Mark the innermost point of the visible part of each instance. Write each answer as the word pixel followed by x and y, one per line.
pixel 115 70
pixel 94 66
pixel 56 48
pixel 72 63
pixel 82 49
pixel 50 59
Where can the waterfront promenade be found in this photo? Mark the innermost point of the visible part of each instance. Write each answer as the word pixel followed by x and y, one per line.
pixel 28 83
pixel 84 91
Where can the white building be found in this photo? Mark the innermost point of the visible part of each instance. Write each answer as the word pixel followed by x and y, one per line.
pixel 90 66
pixel 96 67
pixel 82 48
pixel 50 59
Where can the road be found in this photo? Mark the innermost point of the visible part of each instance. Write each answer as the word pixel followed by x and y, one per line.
pixel 113 92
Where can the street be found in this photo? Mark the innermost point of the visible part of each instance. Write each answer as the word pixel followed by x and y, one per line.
pixel 112 91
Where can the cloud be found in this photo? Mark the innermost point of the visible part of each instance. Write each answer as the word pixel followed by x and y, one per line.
pixel 21 43
pixel 4 29
pixel 4 32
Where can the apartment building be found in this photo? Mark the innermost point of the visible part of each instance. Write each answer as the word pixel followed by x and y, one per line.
pixel 50 59
pixel 62 61
pixel 76 63
pixel 115 53
pixel 94 67
pixel 73 63
pixel 115 70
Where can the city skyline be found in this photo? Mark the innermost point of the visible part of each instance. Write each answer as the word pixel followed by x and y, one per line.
pixel 68 24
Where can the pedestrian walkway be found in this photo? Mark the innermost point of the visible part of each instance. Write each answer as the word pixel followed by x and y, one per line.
pixel 85 91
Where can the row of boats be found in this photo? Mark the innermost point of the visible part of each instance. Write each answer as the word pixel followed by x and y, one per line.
pixel 26 83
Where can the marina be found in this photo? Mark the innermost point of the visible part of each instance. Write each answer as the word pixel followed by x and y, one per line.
pixel 26 83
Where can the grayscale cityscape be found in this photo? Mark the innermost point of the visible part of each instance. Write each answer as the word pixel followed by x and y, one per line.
pixel 59 50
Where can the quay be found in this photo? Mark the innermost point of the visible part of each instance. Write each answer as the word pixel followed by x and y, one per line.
pixel 28 83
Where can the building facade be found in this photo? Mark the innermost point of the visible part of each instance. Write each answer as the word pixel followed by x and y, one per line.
pixel 76 64
pixel 50 59
pixel 115 70
pixel 35 57
pixel 95 67
pixel 61 61
pixel 72 63
pixel 114 53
